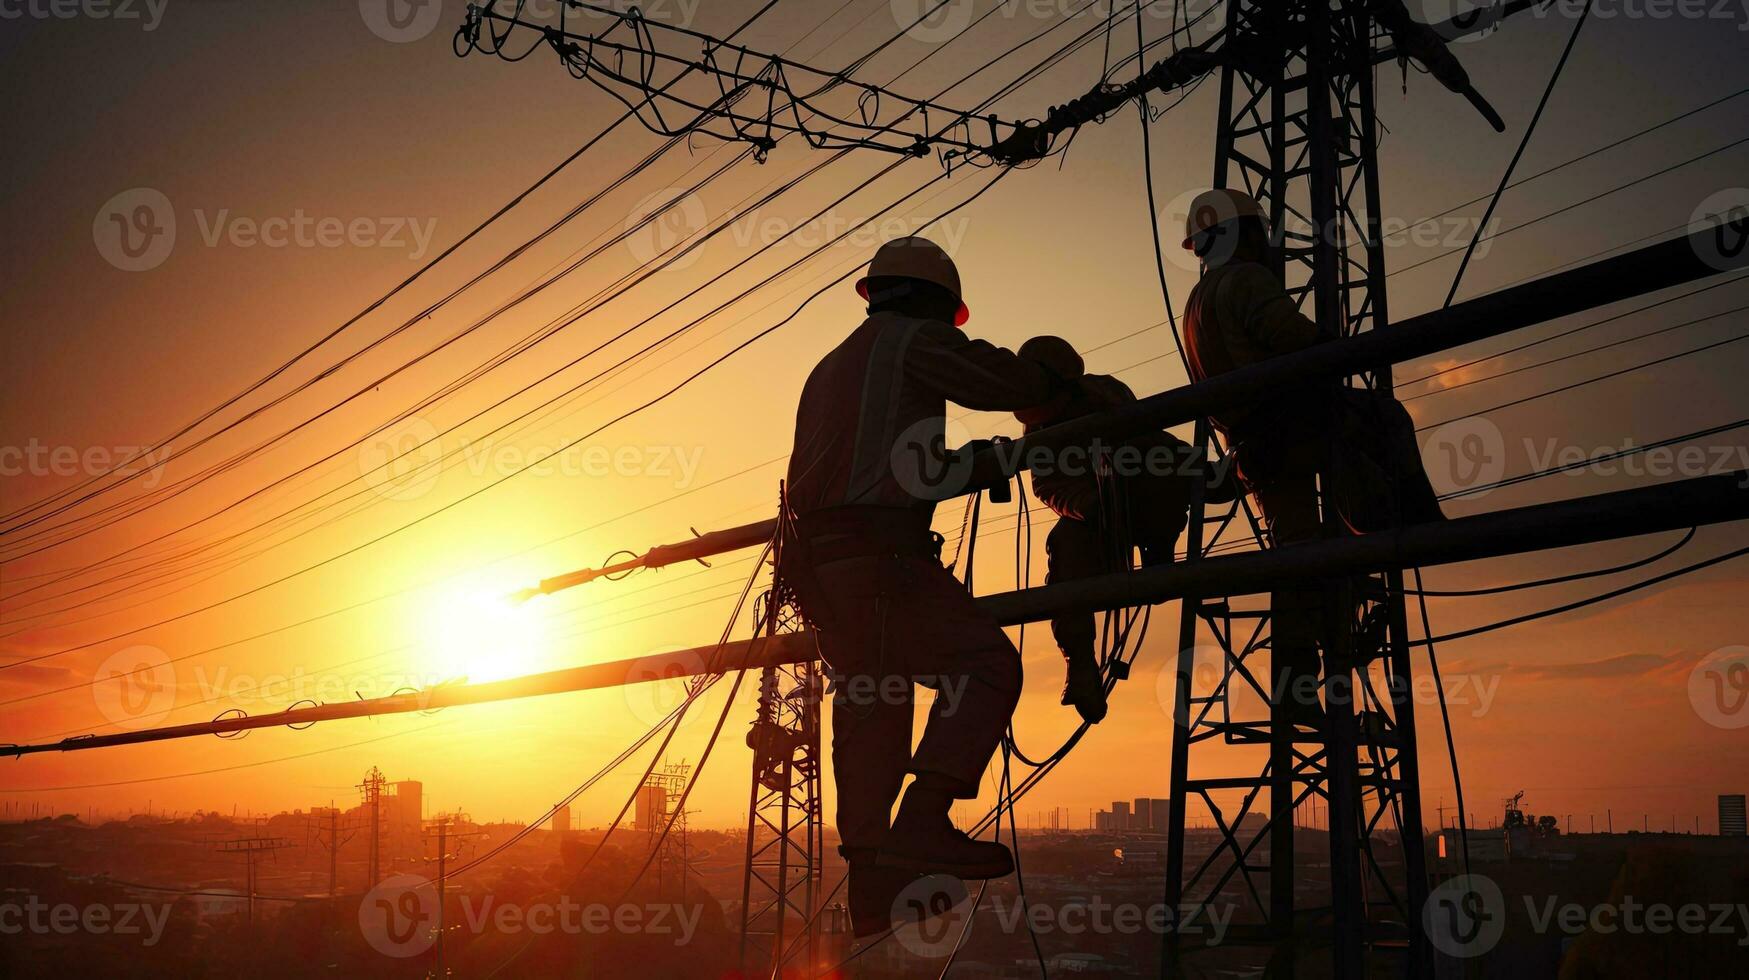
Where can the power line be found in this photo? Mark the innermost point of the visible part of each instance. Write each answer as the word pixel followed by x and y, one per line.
pixel 490 485
pixel 1578 353
pixel 1583 156
pixel 694 244
pixel 1588 601
pixel 1578 204
pixel 505 209
pixel 1506 178
pixel 1687 537
pixel 666 259
pixel 1588 381
pixel 1566 333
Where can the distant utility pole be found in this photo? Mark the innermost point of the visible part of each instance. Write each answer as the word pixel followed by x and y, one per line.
pixel 444 836
pixel 372 792
pixel 249 847
pixel 332 845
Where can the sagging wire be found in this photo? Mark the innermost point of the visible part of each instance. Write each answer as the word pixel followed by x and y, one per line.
pixel 700 684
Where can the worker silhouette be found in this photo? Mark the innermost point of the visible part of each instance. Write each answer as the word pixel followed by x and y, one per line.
pixel 1360 443
pixel 1239 313
pixel 865 567
pixel 1111 500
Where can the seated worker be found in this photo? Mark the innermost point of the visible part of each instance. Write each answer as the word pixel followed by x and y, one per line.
pixel 1138 496
pixel 1238 314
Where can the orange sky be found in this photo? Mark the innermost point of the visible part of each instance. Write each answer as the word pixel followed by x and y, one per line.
pixel 240 115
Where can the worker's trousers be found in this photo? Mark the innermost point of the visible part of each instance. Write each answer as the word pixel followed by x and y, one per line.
pixel 886 623
pixel 1289 502
pixel 1077 549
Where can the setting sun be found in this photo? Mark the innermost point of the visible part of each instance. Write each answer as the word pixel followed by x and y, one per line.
pixel 477 634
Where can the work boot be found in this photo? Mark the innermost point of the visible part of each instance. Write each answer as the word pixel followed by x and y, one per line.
pixel 1083 686
pixel 874 894
pixel 924 840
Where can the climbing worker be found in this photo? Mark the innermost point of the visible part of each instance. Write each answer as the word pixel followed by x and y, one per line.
pixel 1358 444
pixel 863 564
pixel 1109 501
pixel 1239 313
pixel 1360 441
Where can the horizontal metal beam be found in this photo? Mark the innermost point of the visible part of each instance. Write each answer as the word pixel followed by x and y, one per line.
pixel 1673 262
pixel 1625 513
pixel 786 648
pixel 1659 266
pixel 1540 527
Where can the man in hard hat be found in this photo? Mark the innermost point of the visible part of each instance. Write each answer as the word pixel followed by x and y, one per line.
pixel 868 462
pixel 1109 500
pixel 1239 313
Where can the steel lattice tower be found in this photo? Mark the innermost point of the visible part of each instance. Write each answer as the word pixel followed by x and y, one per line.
pixel 785 834
pixel 1297 130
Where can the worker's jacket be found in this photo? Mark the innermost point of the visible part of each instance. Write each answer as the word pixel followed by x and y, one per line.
pixel 871 422
pixel 1239 314
pixel 1066 481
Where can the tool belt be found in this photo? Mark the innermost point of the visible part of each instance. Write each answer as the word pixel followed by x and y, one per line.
pixel 841 533
pixel 836 534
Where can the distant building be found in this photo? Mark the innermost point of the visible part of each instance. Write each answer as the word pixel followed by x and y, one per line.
pixel 562 820
pixel 1120 815
pixel 1732 820
pixel 402 822
pixel 1149 814
pixel 1486 847
pixel 1102 820
pixel 652 808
